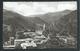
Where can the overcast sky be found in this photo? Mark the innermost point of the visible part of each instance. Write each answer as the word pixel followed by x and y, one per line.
pixel 33 8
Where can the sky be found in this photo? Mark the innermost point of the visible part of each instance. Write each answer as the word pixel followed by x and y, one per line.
pixel 34 8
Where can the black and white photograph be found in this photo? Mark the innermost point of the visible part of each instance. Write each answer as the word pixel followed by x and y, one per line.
pixel 39 25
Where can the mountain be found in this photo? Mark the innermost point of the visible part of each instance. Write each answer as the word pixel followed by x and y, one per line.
pixel 67 24
pixel 10 17
pixel 16 20
pixel 37 20
pixel 52 17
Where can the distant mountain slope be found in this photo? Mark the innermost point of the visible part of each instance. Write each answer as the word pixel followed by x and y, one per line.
pixel 67 25
pixel 37 20
pixel 16 20
pixel 52 17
